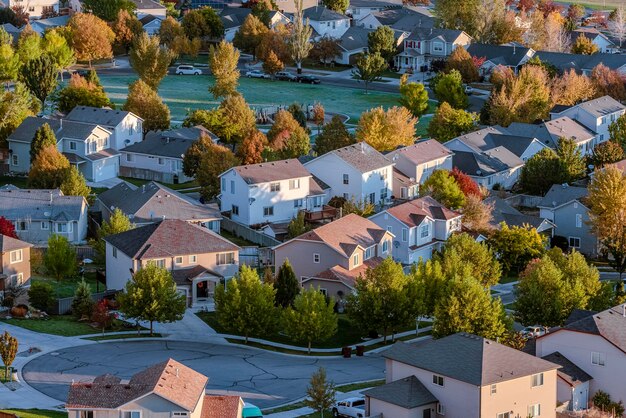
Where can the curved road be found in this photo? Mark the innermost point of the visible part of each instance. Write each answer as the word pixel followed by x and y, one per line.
pixel 263 378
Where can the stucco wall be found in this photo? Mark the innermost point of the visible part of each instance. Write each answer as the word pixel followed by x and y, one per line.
pixel 300 255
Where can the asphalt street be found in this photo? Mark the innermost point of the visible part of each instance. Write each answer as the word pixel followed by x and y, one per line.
pixel 262 378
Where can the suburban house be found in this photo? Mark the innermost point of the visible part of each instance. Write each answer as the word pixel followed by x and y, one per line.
pixel 160 155
pixel 460 376
pixel 334 255
pixel 603 43
pixel 418 162
pixel 271 192
pixel 594 342
pixel 503 212
pixel 426 44
pixel 164 389
pixel 358 9
pixel 232 18
pixel 198 258
pixel 581 63
pixel 38 213
pixel 357 172
pixel 35 8
pixel 326 22
pixel 126 128
pixel 42 25
pixel 11 30
pixel 86 146
pixel 14 262
pixel 572 383
pixel 151 24
pixel 149 7
pixel 399 19
pixel 596 115
pixel 154 202
pixel 288 6
pixel 565 207
pixel 550 131
pixel 511 56
pixel 352 43
pixel 420 227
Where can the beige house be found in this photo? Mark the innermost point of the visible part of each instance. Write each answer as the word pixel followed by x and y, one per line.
pixel 198 258
pixel 462 376
pixel 333 256
pixel 14 262
pixel 165 390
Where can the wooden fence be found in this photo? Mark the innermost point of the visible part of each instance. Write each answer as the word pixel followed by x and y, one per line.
pixel 6 414
pixel 64 305
pixel 248 234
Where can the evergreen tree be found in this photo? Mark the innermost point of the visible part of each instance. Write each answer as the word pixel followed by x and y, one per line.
pixel 44 137
pixel 83 304
pixel 320 393
pixel 74 184
pixel 118 222
pixel 60 257
pixel 287 285
pixel 40 76
pixel 334 135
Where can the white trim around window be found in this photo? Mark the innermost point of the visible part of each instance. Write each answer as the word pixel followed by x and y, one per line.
pixel 16 256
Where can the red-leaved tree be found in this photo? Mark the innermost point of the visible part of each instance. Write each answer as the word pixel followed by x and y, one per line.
pixel 7 228
pixel 465 182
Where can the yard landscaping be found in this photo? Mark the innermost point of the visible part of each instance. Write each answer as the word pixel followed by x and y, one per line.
pixel 66 287
pixel 36 413
pixel 63 325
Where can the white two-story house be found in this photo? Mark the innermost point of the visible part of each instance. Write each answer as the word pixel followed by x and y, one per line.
pixel 426 44
pixel 356 172
pixel 271 192
pixel 420 226
pixel 35 8
pixel 325 22
pixel 126 128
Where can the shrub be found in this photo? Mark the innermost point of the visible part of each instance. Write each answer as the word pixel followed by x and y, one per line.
pixel 40 296
pixel 82 305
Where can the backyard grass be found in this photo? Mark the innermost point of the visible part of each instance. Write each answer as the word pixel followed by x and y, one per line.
pixel 66 287
pixel 36 413
pixel 236 240
pixel 64 325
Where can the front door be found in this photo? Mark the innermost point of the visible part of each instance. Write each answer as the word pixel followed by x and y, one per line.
pixel 426 413
pixel 202 290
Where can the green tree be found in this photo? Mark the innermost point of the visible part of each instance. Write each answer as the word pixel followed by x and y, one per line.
pixel 475 255
pixel 454 15
pixel 28 45
pixel 81 92
pixel 246 306
pixel 369 68
pixel 584 45
pixel 150 59
pixel 299 39
pixel 413 96
pixel 213 22
pixel 39 75
pixel 334 135
pixel 215 160
pixel 107 10
pixel 151 295
pixel 74 184
pixel 320 392
pixel 515 246
pixel 339 6
pixel 56 47
pixel 249 36
pixel 541 171
pixel 83 304
pixel 15 106
pixel 8 351
pixel 60 257
pixel 380 300
pixel 237 119
pixel 298 114
pixel 462 61
pixel 223 61
pixel 9 62
pixel 193 155
pixel 572 159
pixel 431 278
pixel 118 222
pixel 297 226
pixel 617 131
pixel 448 123
pixel 287 285
pixel 448 87
pixel 382 41
pixel 311 319
pixel 143 101
pixel 44 137
pixel 606 153
pixel 442 186
pixel 48 170
pixel 388 129
pixel 41 296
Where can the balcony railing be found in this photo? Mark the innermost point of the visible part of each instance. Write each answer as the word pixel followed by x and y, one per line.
pixel 326 212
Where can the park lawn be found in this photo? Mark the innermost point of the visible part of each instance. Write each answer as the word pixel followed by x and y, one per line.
pixel 36 413
pixel 64 325
pixel 66 287
pixel 596 4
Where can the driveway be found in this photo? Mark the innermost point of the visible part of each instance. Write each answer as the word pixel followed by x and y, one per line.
pixel 263 378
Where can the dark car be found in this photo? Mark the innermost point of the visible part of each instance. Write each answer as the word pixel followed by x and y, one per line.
pixel 309 79
pixel 287 76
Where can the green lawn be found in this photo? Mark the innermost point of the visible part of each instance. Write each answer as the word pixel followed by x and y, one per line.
pixel 64 325
pixel 236 240
pixel 508 279
pixel 596 4
pixel 67 286
pixel 358 386
pixel 180 186
pixel 36 413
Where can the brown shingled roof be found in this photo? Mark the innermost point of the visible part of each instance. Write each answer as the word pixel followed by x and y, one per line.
pixel 412 213
pixel 9 244
pixel 221 407
pixel 272 171
pixel 422 152
pixel 349 277
pixel 610 324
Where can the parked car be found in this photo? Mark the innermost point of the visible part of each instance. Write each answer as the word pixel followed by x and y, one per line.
pixel 251 411
pixel 256 74
pixel 534 331
pixel 309 79
pixel 188 70
pixel 286 76
pixel 351 407
pixel 469 89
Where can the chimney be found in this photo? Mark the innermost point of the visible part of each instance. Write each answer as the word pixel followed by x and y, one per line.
pixel 60 124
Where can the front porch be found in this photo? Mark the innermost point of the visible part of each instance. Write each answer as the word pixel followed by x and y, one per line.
pixel 199 289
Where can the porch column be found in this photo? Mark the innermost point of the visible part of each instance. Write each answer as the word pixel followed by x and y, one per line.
pixel 193 292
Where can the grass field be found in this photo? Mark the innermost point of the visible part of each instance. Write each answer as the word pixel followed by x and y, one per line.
pixel 36 413
pixel 595 4
pixel 64 325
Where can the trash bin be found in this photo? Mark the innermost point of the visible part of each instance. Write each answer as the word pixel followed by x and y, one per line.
pixel 360 349
pixel 346 352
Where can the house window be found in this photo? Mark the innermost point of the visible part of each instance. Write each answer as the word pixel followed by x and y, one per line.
pixel 534 410
pixel 275 187
pixel 537 380
pixel 131 130
pixel 73 145
pixel 225 258
pixel 355 260
pixel 161 161
pixel 316 258
pixel 369 252
pixel 297 203
pixel 179 414
pixel 178 260
pixel 424 231
pixel 232 186
pixel 114 252
pixel 223 181
pixel 437 380
pixel 579 221
pixel 14 159
pixel 268 211
pixel 598 359
pixel 86 414
pixel 21 226
pixel 193 259
pixel 403 193
pixel 440 409
pixel 323 291
pixel 130 157
pixel 346 196
pixel 294 184
pixel 346 179
pixel 234 210
pixel 385 246
pixel 574 242
pixel 16 256
pixel 31 8
pixel 437 47
pixel 317 202
pixel 45 226
pixel 64 227
pixel 494 389
pixel 372 198
pixel 504 415
pixel 390 228
pixel 93 145
pixel 383 194
pixel 405 234
pixel 159 262
pixel 131 414
pixel 16 279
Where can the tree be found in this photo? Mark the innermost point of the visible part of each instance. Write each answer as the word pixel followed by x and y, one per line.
pixel 39 75
pixel 617 131
pixel 82 305
pixel 127 28
pixel 339 6
pixel 298 114
pixel 28 45
pixel 382 41
pixel 150 59
pixel 215 160
pixel 44 137
pixel 41 296
pixel 465 182
pixel 9 60
pixel 237 119
pixel 515 246
pixel 48 170
pixel 8 351
pixel 118 222
pixel 81 92
pixel 169 30
pixel 251 149
pixel 606 153
pixel 101 315
pixel 60 257
pixel 572 88
pixel 318 114
pixel 462 61
pixel 571 158
pixel 272 64
pixel 297 226
pixel 7 228
pixel 74 184
pixel 575 12
pixel 413 96
pixel 608 82
pixel 143 101
pixel 448 87
pixel 334 135
pixel 298 41
pixel 287 138
pixel 193 155
pixel 448 123
pixel 477 215
pixel 246 306
pixel 320 392
pixel 249 36
pixel 151 295
pixel 287 285
pixel 476 256
pixel 107 10
pixel 57 48
pixel 90 37
pixel 541 171
pixel 15 106
pixel 386 130
pixel 312 317
pixel 203 23
pixel 369 68
pixel 7 15
pixel 584 46
pixel 325 49
pixel 277 40
pixel 454 15
pixel 223 61
pixel 617 24
pixel 380 300
pixel 442 186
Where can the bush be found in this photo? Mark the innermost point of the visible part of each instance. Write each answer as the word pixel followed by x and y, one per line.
pixel 82 305
pixel 41 296
pixel 19 312
pixel 602 401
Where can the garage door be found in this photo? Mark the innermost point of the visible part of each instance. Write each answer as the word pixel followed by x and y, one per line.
pixel 106 169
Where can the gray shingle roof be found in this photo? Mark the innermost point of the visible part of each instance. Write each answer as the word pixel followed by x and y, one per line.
pixel 62 129
pixel 550 131
pixel 569 372
pixel 39 205
pixel 322 14
pixel 404 19
pixel 10 244
pixel 406 393
pixel 601 106
pixel 100 116
pixel 355 38
pixel 503 212
pixel 565 61
pixel 480 142
pixel 559 195
pixel 499 54
pixel 233 17
pixel 363 157
pixel 486 163
pixel 173 143
pixel 272 171
pixel 422 34
pixel 422 152
pixel 469 358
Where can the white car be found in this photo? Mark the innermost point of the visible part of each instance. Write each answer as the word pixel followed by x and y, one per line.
pixel 187 70
pixel 351 407
pixel 256 74
pixel 534 331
